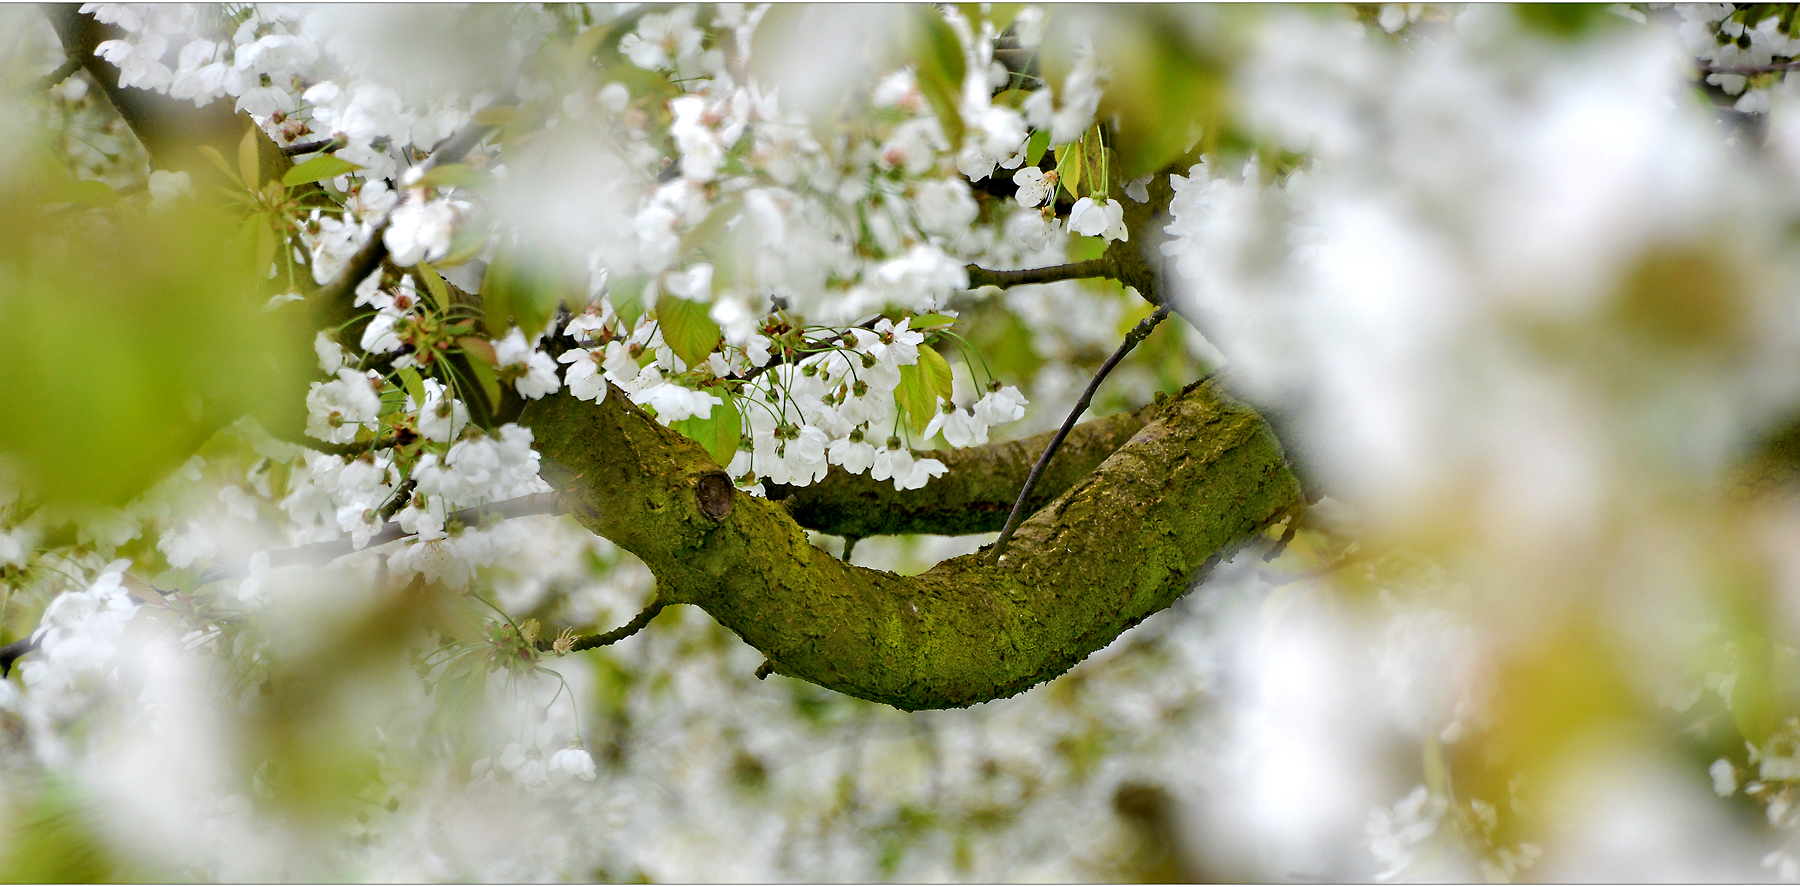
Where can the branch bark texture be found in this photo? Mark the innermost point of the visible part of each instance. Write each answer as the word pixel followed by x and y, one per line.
pixel 1198 480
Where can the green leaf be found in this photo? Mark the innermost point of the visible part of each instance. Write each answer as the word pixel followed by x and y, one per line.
pixel 318 169
pixel 249 164
pixel 218 160
pixel 454 175
pixel 520 288
pixel 930 321
pixel 415 386
pixel 488 380
pixel 479 349
pixel 1034 148
pixel 939 65
pixel 718 433
pixel 1068 167
pixel 434 285
pixel 921 384
pixel 937 372
pixel 687 328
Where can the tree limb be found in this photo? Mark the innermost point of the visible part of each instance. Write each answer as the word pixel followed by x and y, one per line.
pixel 607 639
pixel 1190 488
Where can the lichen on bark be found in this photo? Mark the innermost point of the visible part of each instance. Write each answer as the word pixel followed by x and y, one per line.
pixel 1201 478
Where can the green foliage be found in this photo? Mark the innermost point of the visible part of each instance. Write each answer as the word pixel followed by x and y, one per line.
pixel 521 287
pixel 318 169
pixel 125 346
pixel 921 384
pixel 719 432
pixel 939 65
pixel 687 328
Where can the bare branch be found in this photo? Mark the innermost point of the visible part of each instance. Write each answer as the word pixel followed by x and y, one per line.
pixel 62 72
pixel 1132 339
pixel 979 276
pixel 607 639
pixel 299 148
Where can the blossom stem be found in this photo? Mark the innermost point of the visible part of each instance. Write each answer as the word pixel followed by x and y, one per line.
pixel 1137 334
pixel 606 639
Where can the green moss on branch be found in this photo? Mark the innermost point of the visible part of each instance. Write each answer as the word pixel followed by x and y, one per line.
pixel 1188 488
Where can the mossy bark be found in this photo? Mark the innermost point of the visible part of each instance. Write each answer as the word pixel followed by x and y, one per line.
pixel 1196 482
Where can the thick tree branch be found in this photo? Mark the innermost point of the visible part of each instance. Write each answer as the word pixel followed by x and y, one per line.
pixel 1191 487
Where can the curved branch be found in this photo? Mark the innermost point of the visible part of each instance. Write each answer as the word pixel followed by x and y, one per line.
pixel 607 639
pixel 1191 487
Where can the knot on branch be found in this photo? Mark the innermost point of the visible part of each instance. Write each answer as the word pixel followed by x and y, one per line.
pixel 713 491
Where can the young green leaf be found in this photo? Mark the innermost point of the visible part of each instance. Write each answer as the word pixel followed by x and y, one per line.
pixel 487 379
pixel 249 164
pixel 687 328
pixel 931 321
pixel 1035 147
pixel 415 386
pixel 921 384
pixel 434 286
pixel 318 169
pixel 939 66
pixel 719 433
pixel 218 160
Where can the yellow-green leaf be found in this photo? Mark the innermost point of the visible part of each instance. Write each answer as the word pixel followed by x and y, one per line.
pixel 921 384
pixel 454 175
pixel 318 169
pixel 487 379
pixel 718 433
pixel 434 286
pixel 936 371
pixel 218 160
pixel 1068 168
pixel 939 65
pixel 930 321
pixel 249 164
pixel 1034 148
pixel 480 349
pixel 415 386
pixel 687 328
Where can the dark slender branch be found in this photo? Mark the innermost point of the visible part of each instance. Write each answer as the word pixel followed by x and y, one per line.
pixel 849 546
pixel 979 276
pixel 11 652
pixel 1749 70
pixel 299 148
pixel 1132 338
pixel 607 639
pixel 62 72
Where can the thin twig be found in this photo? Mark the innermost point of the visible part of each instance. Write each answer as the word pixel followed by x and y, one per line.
pixel 62 72
pixel 589 642
pixel 317 145
pixel 11 652
pixel 1132 339
pixel 979 276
